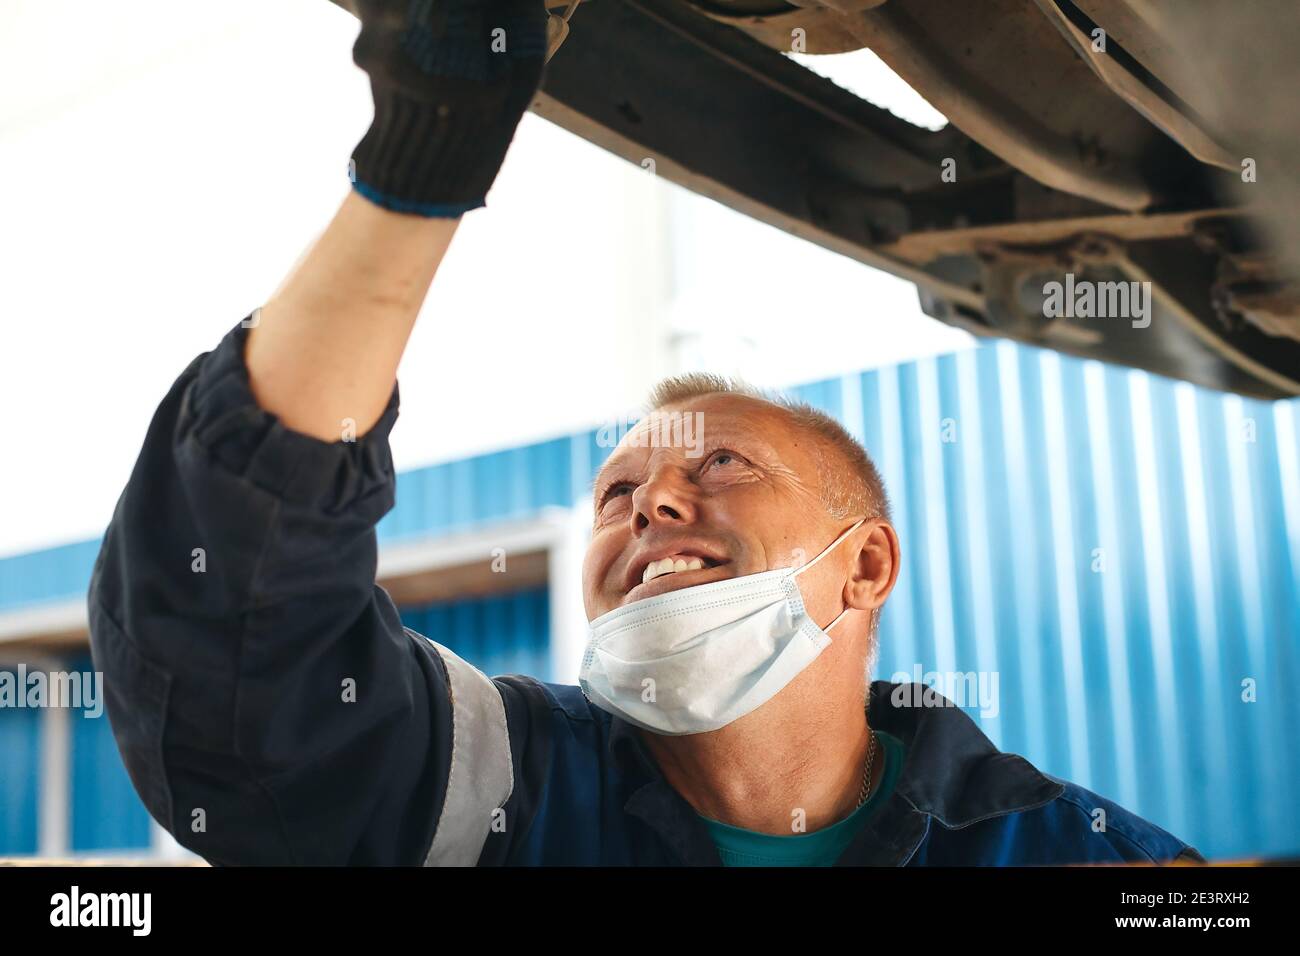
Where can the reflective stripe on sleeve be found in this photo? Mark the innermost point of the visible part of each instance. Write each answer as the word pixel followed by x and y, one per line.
pixel 481 777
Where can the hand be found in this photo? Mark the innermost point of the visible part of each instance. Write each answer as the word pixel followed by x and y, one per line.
pixel 451 80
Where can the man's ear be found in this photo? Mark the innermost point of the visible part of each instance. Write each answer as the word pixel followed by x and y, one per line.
pixel 876 569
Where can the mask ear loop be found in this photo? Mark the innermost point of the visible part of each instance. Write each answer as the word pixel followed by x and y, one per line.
pixel 829 548
pixel 557 29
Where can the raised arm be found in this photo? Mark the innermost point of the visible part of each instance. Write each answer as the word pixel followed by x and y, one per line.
pixel 323 351
pixel 267 702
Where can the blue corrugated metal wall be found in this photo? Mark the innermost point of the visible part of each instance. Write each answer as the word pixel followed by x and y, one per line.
pixel 20 757
pixel 500 634
pixel 51 574
pixel 1121 550
pixel 107 815
pixel 496 487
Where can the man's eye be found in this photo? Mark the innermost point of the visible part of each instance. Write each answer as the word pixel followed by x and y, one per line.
pixel 723 457
pixel 616 490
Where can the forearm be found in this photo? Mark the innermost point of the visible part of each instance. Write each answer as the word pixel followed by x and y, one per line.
pixel 323 357
pixel 327 344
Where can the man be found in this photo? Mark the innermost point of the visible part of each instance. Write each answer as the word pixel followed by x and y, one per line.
pixel 271 708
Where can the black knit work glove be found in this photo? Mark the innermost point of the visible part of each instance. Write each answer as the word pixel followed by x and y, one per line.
pixel 451 80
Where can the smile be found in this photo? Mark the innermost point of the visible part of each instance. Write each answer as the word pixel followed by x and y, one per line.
pixel 671 572
pixel 671 565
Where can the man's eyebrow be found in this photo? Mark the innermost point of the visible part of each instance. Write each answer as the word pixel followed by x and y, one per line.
pixel 726 432
pixel 736 430
pixel 610 465
pixel 595 479
pixel 598 479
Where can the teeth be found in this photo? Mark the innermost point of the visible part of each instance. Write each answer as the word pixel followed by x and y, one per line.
pixel 668 566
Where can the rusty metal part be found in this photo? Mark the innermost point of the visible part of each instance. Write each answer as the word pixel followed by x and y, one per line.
pixel 921 247
pixel 1250 287
pixel 825 28
pixel 996 70
pixel 1000 108
pixel 1006 268
pixel 1109 56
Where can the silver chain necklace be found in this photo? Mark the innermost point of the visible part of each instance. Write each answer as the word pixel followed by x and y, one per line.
pixel 865 791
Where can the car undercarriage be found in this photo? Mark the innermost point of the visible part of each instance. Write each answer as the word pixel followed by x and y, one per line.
pixel 1095 142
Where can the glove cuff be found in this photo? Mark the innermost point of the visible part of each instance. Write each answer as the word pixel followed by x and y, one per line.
pixel 436 160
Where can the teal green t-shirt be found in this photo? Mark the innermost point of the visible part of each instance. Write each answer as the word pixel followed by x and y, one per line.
pixel 739 847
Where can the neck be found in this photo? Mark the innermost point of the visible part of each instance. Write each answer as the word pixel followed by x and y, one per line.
pixel 780 770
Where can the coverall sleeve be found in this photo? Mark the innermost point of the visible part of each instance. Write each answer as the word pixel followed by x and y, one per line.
pixel 266 699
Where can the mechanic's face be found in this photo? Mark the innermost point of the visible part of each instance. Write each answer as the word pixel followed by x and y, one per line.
pixel 738 496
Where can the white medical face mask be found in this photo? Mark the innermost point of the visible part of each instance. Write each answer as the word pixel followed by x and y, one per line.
pixel 696 659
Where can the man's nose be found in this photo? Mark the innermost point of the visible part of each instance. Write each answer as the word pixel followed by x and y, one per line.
pixel 668 498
